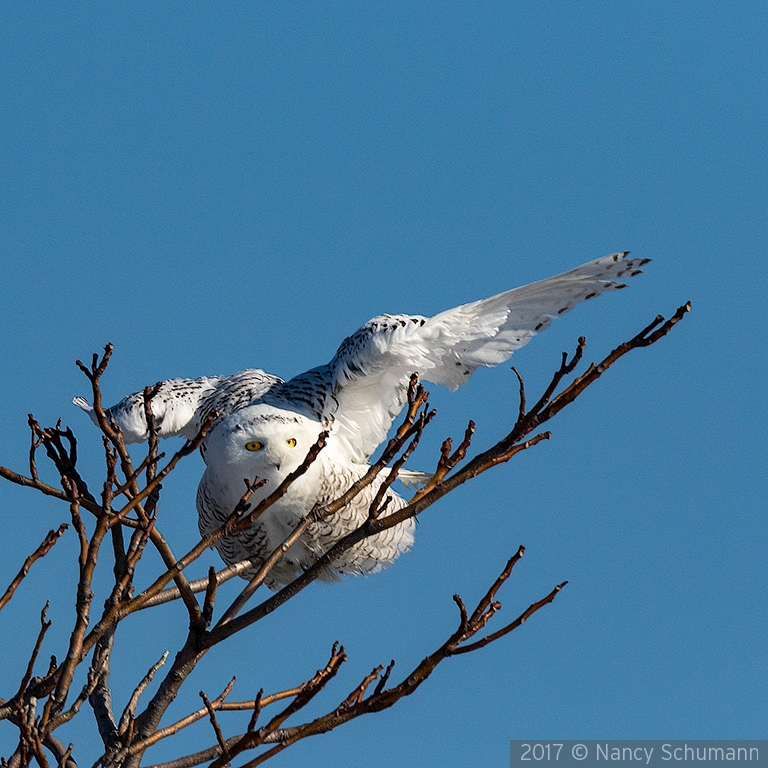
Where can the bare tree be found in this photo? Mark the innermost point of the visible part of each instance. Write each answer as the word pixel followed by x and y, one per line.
pixel 125 513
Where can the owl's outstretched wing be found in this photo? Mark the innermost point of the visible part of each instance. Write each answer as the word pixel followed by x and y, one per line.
pixel 363 388
pixel 181 406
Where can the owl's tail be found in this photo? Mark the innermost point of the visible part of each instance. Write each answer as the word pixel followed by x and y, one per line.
pixel 411 478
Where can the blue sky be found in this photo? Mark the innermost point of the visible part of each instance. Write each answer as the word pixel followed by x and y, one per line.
pixel 213 187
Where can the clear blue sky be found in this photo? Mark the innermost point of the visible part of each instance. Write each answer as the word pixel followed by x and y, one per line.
pixel 219 186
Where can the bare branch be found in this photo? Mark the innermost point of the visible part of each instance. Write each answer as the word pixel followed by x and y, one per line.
pixel 62 754
pixel 138 495
pixel 381 698
pixel 219 704
pixel 309 690
pixel 521 384
pixel 34 445
pixel 106 425
pixel 521 619
pixel 357 695
pixel 95 673
pixel 215 726
pixel 482 606
pixel 210 597
pixel 63 457
pixel 127 717
pixel 258 703
pixel 51 538
pixel 447 461
pixel 198 585
pixel 44 488
pixel 44 626
pixel 88 558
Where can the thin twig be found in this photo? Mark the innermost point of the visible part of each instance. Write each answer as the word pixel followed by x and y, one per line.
pixel 521 619
pixel 51 538
pixel 130 709
pixel 198 585
pixel 216 727
pixel 44 626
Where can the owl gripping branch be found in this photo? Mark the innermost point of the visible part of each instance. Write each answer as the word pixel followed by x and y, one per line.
pixel 297 547
pixel 442 483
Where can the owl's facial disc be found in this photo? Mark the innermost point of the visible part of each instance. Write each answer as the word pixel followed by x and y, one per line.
pixel 260 440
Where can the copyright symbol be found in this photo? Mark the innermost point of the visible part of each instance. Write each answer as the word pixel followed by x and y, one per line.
pixel 579 751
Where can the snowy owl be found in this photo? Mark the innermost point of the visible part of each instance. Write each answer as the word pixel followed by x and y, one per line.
pixel 266 425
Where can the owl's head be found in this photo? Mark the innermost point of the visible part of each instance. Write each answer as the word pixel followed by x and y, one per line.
pixel 262 441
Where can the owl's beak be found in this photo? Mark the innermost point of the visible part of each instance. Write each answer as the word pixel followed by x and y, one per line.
pixel 274 461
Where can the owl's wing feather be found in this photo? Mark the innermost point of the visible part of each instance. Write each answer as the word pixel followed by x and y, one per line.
pixel 234 392
pixel 362 389
pixel 181 406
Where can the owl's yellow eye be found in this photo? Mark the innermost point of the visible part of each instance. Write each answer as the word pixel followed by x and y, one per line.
pixel 254 445
pixel 291 442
